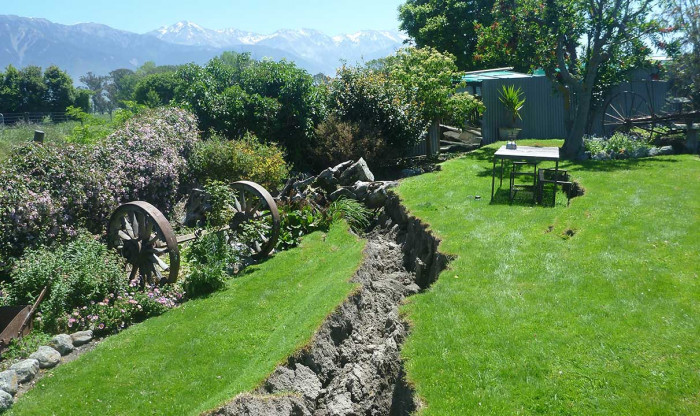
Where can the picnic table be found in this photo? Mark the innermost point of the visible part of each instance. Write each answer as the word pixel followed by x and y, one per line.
pixel 524 153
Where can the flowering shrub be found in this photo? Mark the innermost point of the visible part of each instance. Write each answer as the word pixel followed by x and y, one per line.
pixel 619 146
pixel 75 273
pixel 233 160
pixel 121 309
pixel 49 191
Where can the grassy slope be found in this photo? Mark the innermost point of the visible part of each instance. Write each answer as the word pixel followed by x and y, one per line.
pixel 527 321
pixel 205 352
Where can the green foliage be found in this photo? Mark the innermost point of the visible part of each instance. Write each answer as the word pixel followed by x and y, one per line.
pixel 76 273
pixel 619 146
pixel 222 200
pixel 448 26
pixel 211 258
pixel 353 212
pixel 298 219
pixel 512 99
pixel 91 129
pixel 34 90
pixel 233 95
pixel 23 347
pixel 338 141
pixel 233 160
pixel 156 90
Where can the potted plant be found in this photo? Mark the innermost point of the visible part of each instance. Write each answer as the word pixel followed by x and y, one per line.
pixel 513 100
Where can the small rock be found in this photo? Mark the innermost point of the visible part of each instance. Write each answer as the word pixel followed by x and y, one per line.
pixel 342 192
pixel 359 171
pixel 47 357
pixel 62 343
pixel 26 369
pixel 81 337
pixel 666 150
pixel 9 382
pixel 5 400
pixel 405 173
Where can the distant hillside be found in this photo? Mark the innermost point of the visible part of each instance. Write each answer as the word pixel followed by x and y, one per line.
pixel 99 48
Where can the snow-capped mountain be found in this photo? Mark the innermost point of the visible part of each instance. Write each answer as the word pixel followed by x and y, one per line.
pixel 312 45
pixel 100 49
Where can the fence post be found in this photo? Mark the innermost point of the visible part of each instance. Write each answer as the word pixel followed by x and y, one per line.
pixel 38 136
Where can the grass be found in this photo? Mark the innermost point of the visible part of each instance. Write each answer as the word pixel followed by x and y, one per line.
pixel 203 353
pixel 11 136
pixel 588 309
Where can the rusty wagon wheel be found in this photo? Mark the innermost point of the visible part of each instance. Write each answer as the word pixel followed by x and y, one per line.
pixel 256 218
pixel 143 236
pixel 626 110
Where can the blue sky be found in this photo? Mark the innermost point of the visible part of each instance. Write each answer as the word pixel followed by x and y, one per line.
pixel 263 16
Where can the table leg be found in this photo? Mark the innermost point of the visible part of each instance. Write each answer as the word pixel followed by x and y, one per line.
pixel 493 178
pixel 556 179
pixel 501 184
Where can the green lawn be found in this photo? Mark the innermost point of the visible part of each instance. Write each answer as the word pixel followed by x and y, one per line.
pixel 13 135
pixel 529 320
pixel 198 356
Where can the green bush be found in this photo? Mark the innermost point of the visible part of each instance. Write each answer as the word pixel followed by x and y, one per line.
pixel 233 160
pixel 211 258
pixel 356 215
pixel 77 273
pixel 338 141
pixel 619 146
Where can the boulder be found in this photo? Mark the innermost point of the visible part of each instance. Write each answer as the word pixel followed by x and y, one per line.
pixel 359 171
pixel 62 343
pixel 360 189
pixel 342 193
pixel 340 168
pixel 47 357
pixel 659 151
pixel 377 196
pixel 81 337
pixel 9 382
pixel 198 204
pixel 25 369
pixel 5 401
pixel 326 181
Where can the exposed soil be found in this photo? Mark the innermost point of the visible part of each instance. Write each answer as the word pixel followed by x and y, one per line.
pixel 353 366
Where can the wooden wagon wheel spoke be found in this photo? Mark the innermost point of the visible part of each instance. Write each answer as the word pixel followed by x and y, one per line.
pixel 626 110
pixel 258 209
pixel 141 234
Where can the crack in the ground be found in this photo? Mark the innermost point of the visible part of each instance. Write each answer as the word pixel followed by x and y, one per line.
pixel 353 365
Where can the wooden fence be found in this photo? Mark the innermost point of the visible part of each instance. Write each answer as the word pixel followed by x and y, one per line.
pixel 33 117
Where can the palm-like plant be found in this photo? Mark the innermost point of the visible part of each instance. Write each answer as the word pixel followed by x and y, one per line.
pixel 513 100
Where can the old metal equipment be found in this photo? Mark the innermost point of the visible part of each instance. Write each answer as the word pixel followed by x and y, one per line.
pixel 143 236
pixel 16 321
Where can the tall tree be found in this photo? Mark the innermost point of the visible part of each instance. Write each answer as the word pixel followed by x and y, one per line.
pixel 59 89
pixel 446 25
pixel 98 85
pixel 121 86
pixel 572 40
pixel 10 96
pixel 683 17
pixel 32 89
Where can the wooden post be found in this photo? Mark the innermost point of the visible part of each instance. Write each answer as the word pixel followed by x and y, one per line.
pixel 433 134
pixel 691 138
pixel 38 136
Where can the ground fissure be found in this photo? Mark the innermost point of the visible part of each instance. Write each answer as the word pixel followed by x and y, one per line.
pixel 353 363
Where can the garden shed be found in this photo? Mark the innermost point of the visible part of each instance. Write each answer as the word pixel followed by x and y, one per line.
pixel 543 112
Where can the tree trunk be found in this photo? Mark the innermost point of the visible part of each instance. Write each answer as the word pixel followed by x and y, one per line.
pixel 433 131
pixel 582 95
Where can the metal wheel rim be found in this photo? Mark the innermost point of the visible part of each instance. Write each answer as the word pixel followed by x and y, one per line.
pixel 621 110
pixel 253 202
pixel 143 246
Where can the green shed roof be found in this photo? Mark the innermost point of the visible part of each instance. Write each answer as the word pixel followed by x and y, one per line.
pixel 498 73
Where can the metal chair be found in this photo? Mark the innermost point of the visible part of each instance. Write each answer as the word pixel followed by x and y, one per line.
pixel 552 177
pixel 517 171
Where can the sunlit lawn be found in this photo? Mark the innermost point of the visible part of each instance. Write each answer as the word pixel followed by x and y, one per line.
pixel 531 320
pixel 13 135
pixel 203 353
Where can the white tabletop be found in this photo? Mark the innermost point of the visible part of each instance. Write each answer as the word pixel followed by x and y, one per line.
pixel 528 152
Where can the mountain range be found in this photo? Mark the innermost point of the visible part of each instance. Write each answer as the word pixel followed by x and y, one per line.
pixel 100 49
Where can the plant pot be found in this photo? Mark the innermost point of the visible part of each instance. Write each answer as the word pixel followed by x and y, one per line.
pixel 508 133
